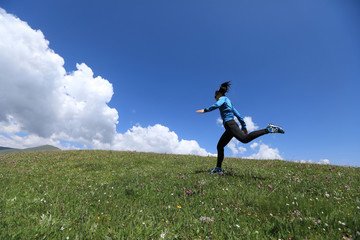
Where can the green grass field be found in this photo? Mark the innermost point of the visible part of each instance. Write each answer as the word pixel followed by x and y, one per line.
pixel 127 195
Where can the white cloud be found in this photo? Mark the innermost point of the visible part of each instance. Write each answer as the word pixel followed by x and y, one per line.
pixel 306 161
pixel 38 97
pixel 250 125
pixel 265 152
pixel 254 145
pixel 219 122
pixel 321 161
pixel 233 145
pixel 10 126
pixel 47 105
pixel 242 150
pixel 17 141
pixel 156 138
pixel 84 105
pixel 324 161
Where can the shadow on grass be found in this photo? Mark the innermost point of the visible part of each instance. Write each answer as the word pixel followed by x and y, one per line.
pixel 232 174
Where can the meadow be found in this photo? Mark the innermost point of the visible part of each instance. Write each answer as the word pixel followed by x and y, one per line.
pixel 90 194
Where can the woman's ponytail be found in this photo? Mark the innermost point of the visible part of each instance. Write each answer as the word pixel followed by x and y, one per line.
pixel 224 88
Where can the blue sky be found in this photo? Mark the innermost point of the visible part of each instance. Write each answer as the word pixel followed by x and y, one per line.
pixel 292 63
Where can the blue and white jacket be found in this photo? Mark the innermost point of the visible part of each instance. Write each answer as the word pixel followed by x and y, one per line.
pixel 227 111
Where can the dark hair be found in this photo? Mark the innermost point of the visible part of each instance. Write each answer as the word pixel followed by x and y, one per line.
pixel 224 88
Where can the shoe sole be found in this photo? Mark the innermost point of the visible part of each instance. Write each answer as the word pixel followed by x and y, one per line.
pixel 278 129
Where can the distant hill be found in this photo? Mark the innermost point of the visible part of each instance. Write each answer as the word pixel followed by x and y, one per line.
pixel 4 150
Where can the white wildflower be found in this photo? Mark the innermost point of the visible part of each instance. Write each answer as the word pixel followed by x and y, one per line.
pixel 163 234
pixel 342 223
pixel 206 219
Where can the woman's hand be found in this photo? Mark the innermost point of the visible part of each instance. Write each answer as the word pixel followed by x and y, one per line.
pixel 200 111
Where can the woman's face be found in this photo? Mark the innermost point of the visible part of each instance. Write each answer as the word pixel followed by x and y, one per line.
pixel 217 96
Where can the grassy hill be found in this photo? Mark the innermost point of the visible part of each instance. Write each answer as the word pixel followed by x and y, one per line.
pixel 127 195
pixel 4 150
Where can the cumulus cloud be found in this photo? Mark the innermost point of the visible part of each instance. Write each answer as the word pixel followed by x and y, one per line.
pixel 324 161
pixel 242 150
pixel 156 138
pixel 219 122
pixel 19 141
pixel 84 105
pixel 38 97
pixel 250 125
pixel 43 104
pixel 254 145
pixel 306 161
pixel 321 161
pixel 29 73
pixel 9 126
pixel 262 151
pixel 266 152
pixel 235 149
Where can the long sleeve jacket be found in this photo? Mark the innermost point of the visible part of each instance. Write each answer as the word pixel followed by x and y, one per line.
pixel 227 111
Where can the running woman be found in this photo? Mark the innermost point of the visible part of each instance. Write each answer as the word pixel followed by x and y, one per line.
pixel 227 112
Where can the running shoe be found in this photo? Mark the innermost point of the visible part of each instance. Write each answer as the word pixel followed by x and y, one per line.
pixel 216 171
pixel 275 129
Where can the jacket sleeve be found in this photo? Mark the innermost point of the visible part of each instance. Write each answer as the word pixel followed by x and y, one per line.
pixel 215 106
pixel 241 120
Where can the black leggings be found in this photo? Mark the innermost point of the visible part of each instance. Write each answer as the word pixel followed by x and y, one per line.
pixel 233 130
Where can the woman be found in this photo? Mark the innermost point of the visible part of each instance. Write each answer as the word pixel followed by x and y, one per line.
pixel 227 112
